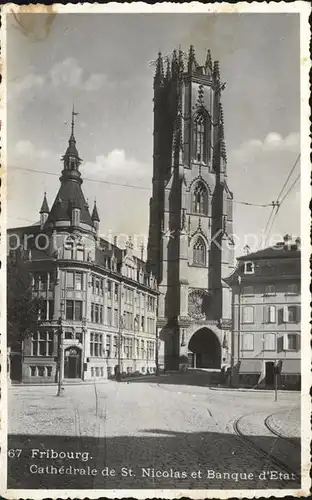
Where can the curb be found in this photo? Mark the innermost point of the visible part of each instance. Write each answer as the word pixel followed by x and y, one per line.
pixel 259 391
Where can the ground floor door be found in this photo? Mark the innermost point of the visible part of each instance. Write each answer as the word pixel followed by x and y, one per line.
pixel 72 363
pixel 269 373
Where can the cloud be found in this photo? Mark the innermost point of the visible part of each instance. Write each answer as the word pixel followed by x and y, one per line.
pixel 257 171
pixel 272 143
pixel 67 73
pixel 116 165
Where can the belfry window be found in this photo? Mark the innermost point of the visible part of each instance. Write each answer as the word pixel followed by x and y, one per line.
pixel 199 252
pixel 199 138
pixel 200 199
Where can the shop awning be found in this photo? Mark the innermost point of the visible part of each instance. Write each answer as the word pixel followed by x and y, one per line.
pixel 291 367
pixel 251 366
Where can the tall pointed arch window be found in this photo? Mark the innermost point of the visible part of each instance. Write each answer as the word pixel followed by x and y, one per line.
pixel 200 199
pixel 199 137
pixel 199 252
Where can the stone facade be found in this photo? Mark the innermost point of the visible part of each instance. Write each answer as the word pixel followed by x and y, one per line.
pixel 190 248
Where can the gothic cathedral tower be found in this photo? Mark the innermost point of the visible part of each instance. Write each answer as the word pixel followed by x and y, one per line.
pixel 190 247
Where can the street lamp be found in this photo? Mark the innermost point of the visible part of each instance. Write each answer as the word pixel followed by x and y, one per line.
pixel 60 388
pixel 83 331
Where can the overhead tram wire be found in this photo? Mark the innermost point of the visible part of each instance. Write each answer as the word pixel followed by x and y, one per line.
pixel 37 171
pixel 277 205
pixel 280 203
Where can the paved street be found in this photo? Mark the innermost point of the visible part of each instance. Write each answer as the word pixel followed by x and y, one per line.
pixel 168 431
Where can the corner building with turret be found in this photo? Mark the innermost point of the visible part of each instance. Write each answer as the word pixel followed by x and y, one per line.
pixel 99 301
pixel 190 248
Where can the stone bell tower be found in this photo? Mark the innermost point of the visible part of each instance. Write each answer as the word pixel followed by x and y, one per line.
pixel 190 247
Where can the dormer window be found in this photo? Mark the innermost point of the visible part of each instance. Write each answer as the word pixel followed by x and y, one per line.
pixel 76 216
pixel 249 267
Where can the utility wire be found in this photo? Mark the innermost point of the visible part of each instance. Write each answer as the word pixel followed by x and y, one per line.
pixel 291 187
pixel 128 185
pixel 289 175
pixel 278 203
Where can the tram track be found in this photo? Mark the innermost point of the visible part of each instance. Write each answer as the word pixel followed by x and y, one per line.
pixel 267 454
pixel 278 434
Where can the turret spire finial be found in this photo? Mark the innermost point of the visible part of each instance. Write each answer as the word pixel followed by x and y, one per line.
pixel 74 113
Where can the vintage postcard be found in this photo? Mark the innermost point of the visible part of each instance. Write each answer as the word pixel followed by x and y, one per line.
pixel 155 336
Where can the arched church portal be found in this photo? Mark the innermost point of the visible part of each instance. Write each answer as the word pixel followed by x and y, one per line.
pixel 204 350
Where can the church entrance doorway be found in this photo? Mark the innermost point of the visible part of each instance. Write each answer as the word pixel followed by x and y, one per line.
pixel 72 364
pixel 204 350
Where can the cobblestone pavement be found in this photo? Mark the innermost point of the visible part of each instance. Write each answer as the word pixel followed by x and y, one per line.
pixel 169 435
pixel 286 423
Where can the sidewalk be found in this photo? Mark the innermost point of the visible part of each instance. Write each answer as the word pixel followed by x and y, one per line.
pixel 246 389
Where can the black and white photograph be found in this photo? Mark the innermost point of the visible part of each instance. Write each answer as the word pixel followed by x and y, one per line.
pixel 155 335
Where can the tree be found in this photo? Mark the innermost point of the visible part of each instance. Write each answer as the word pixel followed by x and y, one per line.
pixel 23 310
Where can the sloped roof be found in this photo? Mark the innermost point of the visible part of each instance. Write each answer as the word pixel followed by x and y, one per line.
pixel 70 195
pixel 279 251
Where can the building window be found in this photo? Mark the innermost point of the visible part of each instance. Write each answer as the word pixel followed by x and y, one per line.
pixel 142 323
pixel 269 290
pixel 200 199
pixel 249 268
pixel 74 310
pixel 109 316
pixel 33 371
pixel 248 342
pixel 40 281
pixel 248 314
pixel 150 350
pixel 269 314
pixel 116 290
pixel 109 288
pixel 126 347
pixel 74 280
pixel 96 313
pixel 289 314
pixel 41 370
pixel 137 348
pixel 68 251
pixel 116 317
pixel 292 289
pixel 288 342
pixel 199 137
pixel 49 371
pixel 142 349
pixel 269 342
pixel 108 345
pixel 115 346
pixel 150 303
pixel 42 344
pixel 80 254
pixel 248 290
pixel 199 252
pixel 96 344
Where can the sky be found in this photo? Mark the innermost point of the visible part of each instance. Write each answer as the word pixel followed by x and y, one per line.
pixel 104 64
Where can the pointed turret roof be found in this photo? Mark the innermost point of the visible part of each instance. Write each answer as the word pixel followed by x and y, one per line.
pixel 159 73
pixel 44 207
pixel 95 215
pixel 70 194
pixel 192 63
